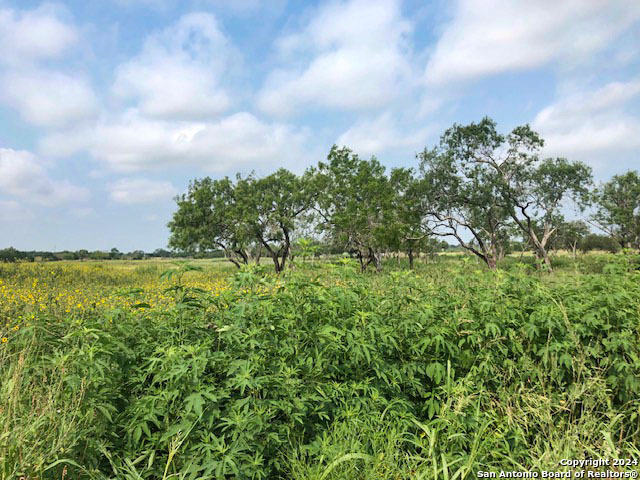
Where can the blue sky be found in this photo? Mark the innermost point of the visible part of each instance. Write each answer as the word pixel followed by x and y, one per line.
pixel 108 108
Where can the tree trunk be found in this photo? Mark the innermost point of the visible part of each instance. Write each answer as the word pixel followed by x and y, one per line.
pixel 285 256
pixel 259 254
pixel 543 256
pixel 410 255
pixel 243 255
pixel 375 257
pixel 233 256
pixel 276 263
pixel 363 267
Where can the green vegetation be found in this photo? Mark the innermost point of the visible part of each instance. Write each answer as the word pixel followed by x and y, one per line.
pixel 504 355
pixel 321 372
pixel 478 187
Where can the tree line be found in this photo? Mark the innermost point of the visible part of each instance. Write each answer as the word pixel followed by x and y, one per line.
pixel 477 186
pixel 11 254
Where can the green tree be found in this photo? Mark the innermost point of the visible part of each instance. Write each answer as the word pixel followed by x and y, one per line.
pixel 460 193
pixel 406 230
pixel 241 216
pixel 353 198
pixel 599 242
pixel 98 255
pixel 308 247
pixel 482 179
pixel 9 255
pixel 618 209
pixel 210 217
pixel 270 206
pixel 535 192
pixel 570 234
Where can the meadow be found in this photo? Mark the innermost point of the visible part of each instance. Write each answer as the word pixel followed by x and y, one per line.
pixel 196 370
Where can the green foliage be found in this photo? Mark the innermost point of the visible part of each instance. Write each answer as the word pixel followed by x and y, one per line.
pixel 233 216
pixel 618 209
pixel 355 203
pixel 210 216
pixel 271 206
pixel 479 181
pixel 598 242
pixel 461 189
pixel 570 235
pixel 328 374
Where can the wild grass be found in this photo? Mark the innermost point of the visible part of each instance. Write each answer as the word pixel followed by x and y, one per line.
pixel 322 373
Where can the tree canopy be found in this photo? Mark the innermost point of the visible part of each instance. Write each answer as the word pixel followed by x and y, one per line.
pixel 618 209
pixel 476 186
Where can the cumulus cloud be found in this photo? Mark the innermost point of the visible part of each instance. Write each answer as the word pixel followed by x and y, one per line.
pixel 130 191
pixel 34 34
pixel 42 96
pixel 592 125
pixel 23 176
pixel 373 136
pixel 495 36
pixel 235 6
pixel 355 57
pixel 48 98
pixel 176 110
pixel 133 142
pixel 66 142
pixel 177 74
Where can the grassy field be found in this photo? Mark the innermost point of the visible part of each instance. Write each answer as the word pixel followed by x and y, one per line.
pixel 150 370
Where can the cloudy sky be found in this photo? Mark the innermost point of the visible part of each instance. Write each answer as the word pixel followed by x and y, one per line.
pixel 108 108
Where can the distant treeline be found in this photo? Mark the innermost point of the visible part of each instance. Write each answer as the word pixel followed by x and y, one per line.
pixel 12 255
pixel 586 243
pixel 312 249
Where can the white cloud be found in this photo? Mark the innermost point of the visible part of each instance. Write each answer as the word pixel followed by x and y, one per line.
pixel 592 126
pixel 23 176
pixel 129 191
pixel 34 34
pixel 381 134
pixel 64 143
pixel 353 56
pixel 48 98
pixel 495 36
pixel 132 142
pixel 177 75
pixel 42 96
pixel 244 6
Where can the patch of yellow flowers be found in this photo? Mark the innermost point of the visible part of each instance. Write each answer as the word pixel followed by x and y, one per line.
pixel 29 291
